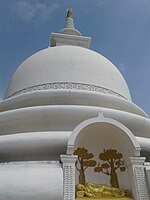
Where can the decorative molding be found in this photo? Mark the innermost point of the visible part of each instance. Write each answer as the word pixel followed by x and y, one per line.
pixel 141 182
pixel 69 176
pixel 138 178
pixel 69 86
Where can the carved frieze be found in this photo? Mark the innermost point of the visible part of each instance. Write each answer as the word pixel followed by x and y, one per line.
pixel 67 85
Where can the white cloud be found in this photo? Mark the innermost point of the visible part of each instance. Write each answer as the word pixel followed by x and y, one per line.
pixel 34 12
pixel 102 2
pixel 122 68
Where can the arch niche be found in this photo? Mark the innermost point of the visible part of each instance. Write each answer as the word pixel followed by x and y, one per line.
pixel 99 134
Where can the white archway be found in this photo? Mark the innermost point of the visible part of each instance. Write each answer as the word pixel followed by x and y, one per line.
pixel 99 120
pixel 97 130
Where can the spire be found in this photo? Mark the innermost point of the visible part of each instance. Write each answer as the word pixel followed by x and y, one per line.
pixel 69 24
pixel 69 35
pixel 69 12
pixel 69 19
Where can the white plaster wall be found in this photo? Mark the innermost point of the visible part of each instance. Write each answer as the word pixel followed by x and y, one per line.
pixel 31 181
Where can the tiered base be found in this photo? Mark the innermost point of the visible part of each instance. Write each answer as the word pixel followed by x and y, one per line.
pixel 105 198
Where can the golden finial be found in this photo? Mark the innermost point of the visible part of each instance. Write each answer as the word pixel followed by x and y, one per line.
pixel 69 12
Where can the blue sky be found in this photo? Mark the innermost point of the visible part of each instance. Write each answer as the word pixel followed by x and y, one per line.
pixel 120 30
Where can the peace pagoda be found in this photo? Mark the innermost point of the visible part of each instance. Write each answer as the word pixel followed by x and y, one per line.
pixel 69 129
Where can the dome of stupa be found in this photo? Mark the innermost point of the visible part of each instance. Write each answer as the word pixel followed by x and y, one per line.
pixel 70 65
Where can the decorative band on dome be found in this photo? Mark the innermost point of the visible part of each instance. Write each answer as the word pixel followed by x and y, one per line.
pixel 67 85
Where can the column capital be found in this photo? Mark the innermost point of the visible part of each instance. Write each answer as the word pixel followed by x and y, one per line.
pixel 136 161
pixel 68 158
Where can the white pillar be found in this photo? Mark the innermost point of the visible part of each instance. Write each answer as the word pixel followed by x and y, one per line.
pixel 138 178
pixel 147 171
pixel 69 176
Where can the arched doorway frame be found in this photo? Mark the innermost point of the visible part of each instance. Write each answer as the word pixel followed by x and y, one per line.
pixel 135 164
pixel 101 119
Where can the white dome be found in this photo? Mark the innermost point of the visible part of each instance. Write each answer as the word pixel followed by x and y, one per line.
pixel 68 64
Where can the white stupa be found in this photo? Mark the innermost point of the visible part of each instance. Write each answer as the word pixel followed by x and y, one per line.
pixel 63 98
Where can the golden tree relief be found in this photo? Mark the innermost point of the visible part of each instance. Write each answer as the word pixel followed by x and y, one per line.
pixel 83 162
pixel 112 162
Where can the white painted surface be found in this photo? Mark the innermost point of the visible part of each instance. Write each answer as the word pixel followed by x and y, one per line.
pixel 68 162
pixel 103 128
pixel 145 143
pixel 138 178
pixel 31 181
pixel 145 146
pixel 68 64
pixel 70 97
pixel 58 39
pixel 147 170
pixel 66 118
pixel 33 146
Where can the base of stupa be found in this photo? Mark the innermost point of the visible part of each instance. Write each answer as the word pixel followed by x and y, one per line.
pixel 105 198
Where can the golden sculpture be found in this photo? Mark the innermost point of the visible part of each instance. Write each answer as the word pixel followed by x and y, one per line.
pixel 83 162
pixel 113 162
pixel 100 191
pixel 93 191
